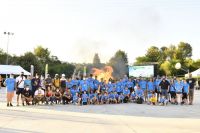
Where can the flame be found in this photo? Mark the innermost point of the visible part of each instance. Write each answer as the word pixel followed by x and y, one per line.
pixel 105 73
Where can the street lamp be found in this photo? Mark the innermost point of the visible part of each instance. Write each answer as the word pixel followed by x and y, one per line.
pixel 7 33
pixel 178 66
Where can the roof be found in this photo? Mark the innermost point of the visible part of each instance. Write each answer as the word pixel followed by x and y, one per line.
pixel 12 69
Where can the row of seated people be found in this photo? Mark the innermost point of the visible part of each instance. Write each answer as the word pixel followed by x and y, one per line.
pixel 79 98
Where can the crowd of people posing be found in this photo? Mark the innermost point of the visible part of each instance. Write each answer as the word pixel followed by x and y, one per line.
pixel 59 90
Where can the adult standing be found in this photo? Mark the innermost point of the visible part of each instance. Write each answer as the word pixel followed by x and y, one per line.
pixel 191 81
pixel 10 86
pixel 35 83
pixel 20 86
pixel 164 85
pixel 63 84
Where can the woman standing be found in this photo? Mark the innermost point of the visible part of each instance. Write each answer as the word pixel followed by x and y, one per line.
pixel 178 87
pixel 10 86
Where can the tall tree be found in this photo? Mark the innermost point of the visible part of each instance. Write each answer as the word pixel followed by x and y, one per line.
pixel 96 61
pixel 119 64
pixel 153 54
pixel 43 54
pixel 184 51
pixel 29 59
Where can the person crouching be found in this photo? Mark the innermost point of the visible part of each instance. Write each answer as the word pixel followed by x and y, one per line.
pixel 27 96
pixel 76 99
pixel 57 96
pixel 39 96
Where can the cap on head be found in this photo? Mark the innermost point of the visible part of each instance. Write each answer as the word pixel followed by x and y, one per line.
pixel 63 75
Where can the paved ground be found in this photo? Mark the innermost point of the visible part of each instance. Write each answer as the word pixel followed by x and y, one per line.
pixel 129 118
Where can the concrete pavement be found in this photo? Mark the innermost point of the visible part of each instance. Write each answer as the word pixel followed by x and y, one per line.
pixel 120 118
pixel 18 120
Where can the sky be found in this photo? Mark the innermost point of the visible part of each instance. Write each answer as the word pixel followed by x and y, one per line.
pixel 74 30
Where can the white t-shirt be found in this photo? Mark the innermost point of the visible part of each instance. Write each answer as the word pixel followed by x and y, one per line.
pixel 20 80
pixel 40 92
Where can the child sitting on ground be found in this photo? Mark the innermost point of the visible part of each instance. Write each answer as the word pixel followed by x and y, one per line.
pixel 163 101
pixel 153 99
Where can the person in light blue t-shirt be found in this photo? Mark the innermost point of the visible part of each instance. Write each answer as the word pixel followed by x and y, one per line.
pixel 178 87
pixel 172 91
pixel 85 98
pixel 76 99
pixel 28 82
pixel 150 88
pixel 10 86
pixel 185 92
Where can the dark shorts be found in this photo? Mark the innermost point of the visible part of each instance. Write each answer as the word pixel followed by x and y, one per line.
pixel 173 94
pixel 84 103
pixel 19 91
pixel 184 96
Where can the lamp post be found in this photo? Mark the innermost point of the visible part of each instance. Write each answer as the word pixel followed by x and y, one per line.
pixel 178 66
pixel 8 34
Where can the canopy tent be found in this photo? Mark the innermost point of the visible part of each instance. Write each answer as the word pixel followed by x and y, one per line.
pixel 12 69
pixel 195 73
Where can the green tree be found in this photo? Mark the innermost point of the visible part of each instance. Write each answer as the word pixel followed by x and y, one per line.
pixel 65 68
pixel 29 59
pixel 184 51
pixel 153 54
pixel 43 54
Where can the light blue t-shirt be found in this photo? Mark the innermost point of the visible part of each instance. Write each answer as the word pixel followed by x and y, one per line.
pixel 28 83
pixel 10 84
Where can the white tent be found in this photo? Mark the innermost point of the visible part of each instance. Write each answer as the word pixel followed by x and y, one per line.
pixel 12 69
pixel 195 73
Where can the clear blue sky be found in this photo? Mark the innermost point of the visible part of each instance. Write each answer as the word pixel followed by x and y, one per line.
pixel 74 30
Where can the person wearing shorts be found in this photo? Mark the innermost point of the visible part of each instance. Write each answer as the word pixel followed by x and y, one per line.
pixel 185 92
pixel 172 91
pixel 20 86
pixel 10 86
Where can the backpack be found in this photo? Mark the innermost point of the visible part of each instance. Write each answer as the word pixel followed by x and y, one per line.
pixel 139 101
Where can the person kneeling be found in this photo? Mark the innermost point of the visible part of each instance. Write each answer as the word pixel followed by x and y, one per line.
pixel 57 96
pixel 67 97
pixel 39 96
pixel 111 97
pixel 27 96
pixel 76 99
pixel 163 101
pixel 85 98
pixel 49 96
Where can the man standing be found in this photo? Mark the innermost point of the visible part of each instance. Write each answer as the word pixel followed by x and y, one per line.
pixel 164 85
pixel 20 85
pixel 10 86
pixel 191 81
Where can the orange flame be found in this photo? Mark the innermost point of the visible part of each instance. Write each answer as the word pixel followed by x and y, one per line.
pixel 105 73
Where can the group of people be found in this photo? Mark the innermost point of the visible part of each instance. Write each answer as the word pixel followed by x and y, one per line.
pixel 89 90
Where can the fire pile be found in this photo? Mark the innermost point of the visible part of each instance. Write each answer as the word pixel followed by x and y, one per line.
pixel 105 73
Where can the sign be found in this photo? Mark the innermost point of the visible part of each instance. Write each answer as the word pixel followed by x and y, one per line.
pixel 143 71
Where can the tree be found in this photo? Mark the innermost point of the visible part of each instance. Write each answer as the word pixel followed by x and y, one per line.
pixel 96 61
pixel 64 68
pixel 184 51
pixel 29 59
pixel 153 54
pixel 3 56
pixel 119 63
pixel 43 54
pixel 141 60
